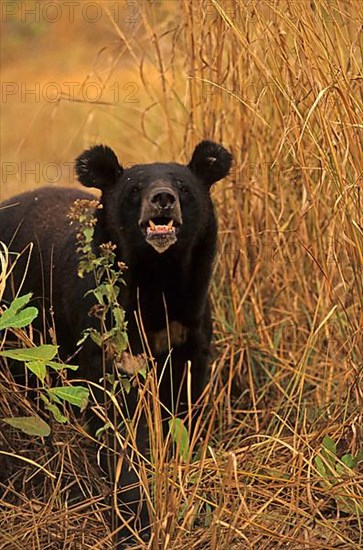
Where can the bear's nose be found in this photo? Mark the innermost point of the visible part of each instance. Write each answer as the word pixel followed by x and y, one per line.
pixel 163 199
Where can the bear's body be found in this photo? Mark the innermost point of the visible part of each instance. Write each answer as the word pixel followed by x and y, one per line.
pixel 161 219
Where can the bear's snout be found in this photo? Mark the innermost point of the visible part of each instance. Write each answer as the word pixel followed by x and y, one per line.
pixel 160 216
pixel 163 199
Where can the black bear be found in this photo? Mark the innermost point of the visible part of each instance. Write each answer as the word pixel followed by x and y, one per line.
pixel 161 218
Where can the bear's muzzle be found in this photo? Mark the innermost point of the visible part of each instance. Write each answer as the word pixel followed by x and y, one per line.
pixel 160 217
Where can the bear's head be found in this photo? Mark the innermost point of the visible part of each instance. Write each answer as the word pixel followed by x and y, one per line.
pixel 157 205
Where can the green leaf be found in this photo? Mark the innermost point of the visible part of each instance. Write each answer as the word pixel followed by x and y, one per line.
pixel 85 335
pixel 38 368
pixel 102 429
pixel 329 444
pixel 75 395
pixel 88 233
pixel 17 317
pixel 329 450
pixel 109 377
pixel 31 425
pixel 105 293
pixel 18 303
pixel 60 366
pixel 110 291
pixel 143 373
pixel 126 384
pixel 96 337
pixel 45 353
pixel 359 456
pixel 120 341
pixel 320 466
pixel 119 316
pixel 25 318
pixel 52 407
pixel 54 397
pixel 180 436
pixel 349 461
pixel 99 293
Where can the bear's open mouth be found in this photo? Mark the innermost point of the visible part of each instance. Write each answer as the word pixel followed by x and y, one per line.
pixel 161 232
pixel 160 225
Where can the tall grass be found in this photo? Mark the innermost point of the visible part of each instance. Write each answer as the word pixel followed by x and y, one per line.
pixel 280 83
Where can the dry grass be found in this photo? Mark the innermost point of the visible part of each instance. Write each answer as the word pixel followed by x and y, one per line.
pixel 280 83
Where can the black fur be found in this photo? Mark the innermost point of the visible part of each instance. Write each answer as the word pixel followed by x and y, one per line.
pixel 177 276
pixel 210 162
pixel 98 167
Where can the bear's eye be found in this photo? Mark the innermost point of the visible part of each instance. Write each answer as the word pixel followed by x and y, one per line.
pixel 183 188
pixel 135 189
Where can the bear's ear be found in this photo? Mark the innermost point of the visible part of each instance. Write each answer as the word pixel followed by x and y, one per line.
pixel 98 167
pixel 210 162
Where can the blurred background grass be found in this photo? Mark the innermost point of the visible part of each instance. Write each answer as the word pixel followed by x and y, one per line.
pixel 72 82
pixel 279 82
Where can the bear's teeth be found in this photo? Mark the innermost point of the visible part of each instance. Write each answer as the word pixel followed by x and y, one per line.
pixel 160 228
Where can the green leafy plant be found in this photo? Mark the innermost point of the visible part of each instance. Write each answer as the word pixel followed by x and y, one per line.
pixel 335 470
pixel 17 315
pixel 38 359
pixel 111 335
pixel 108 281
pixel 180 436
